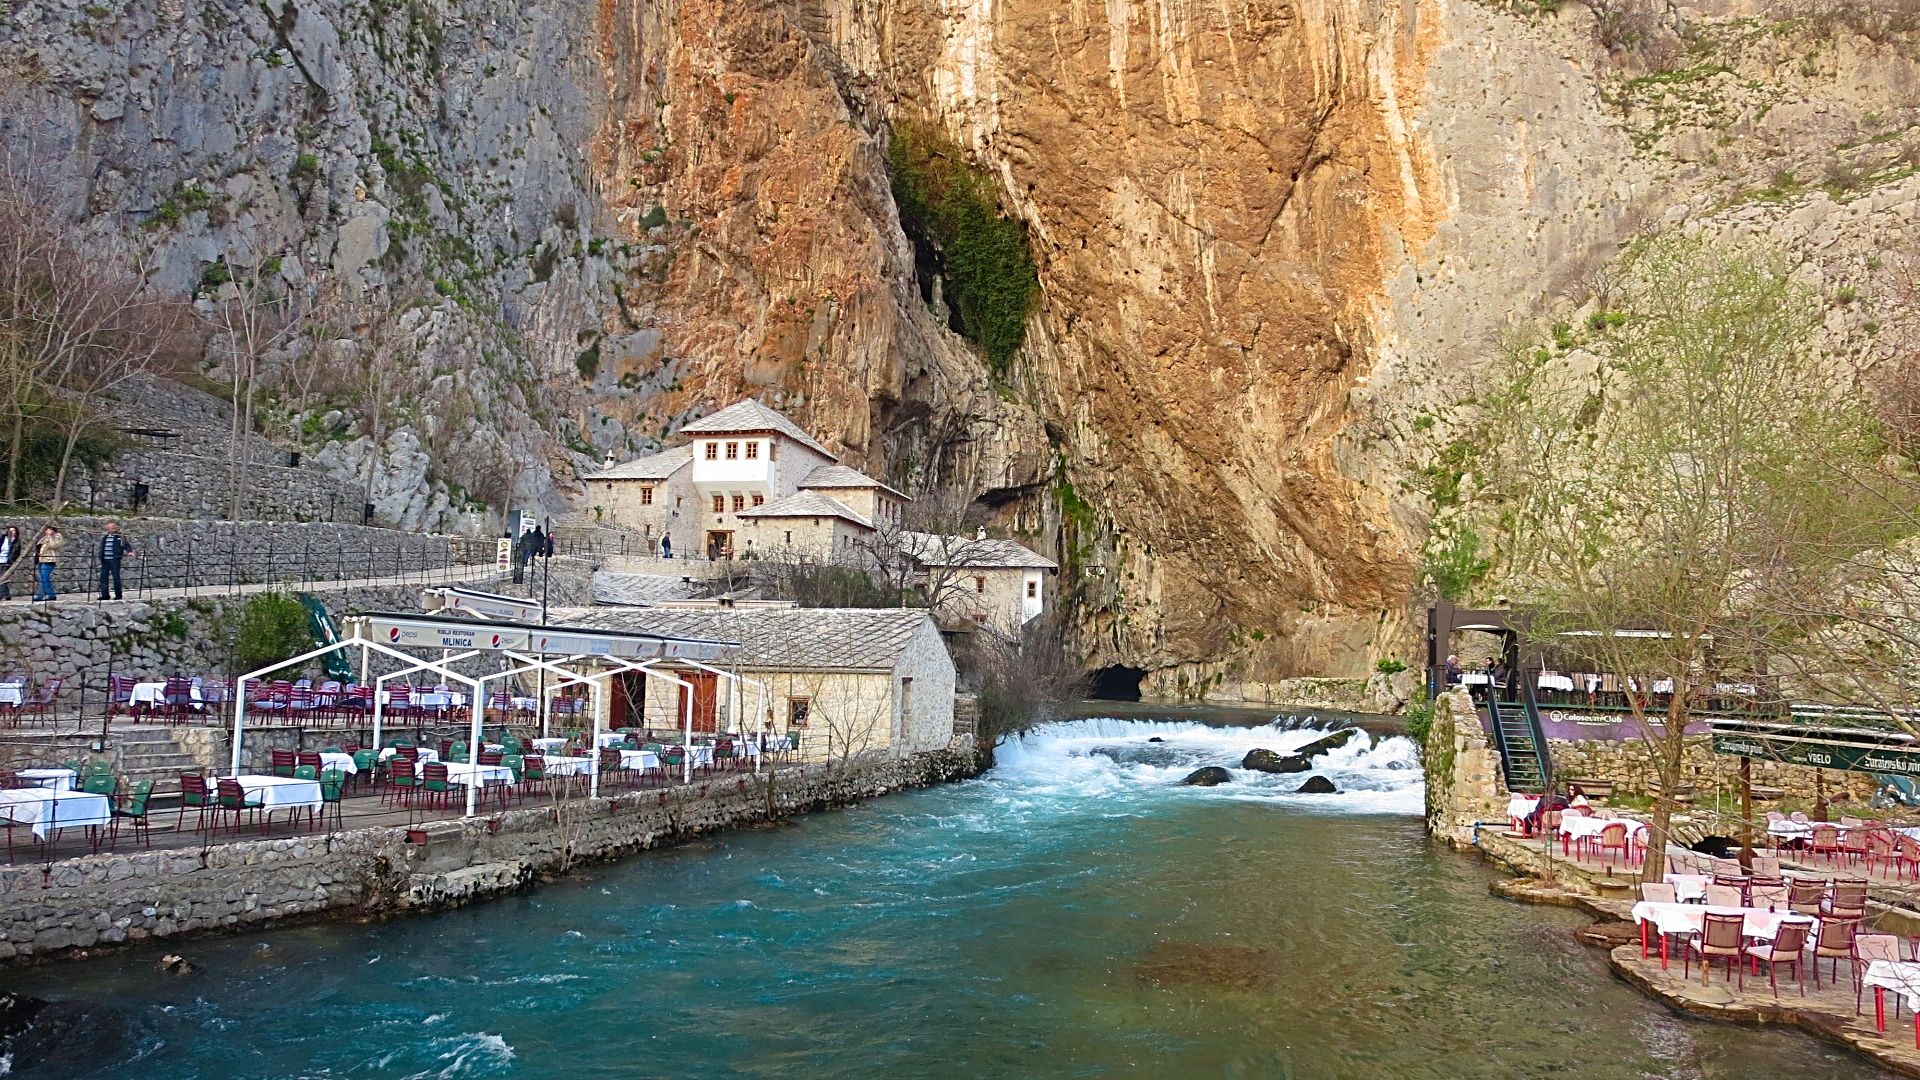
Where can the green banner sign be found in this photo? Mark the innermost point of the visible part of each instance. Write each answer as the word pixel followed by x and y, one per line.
pixel 1818 753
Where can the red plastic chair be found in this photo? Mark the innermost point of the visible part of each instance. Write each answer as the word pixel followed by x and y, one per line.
pixel 1722 935
pixel 1789 941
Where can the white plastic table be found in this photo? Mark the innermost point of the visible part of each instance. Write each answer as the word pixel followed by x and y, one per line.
pixel 1903 978
pixel 45 810
pixel 639 759
pixel 465 773
pixel 1520 808
pixel 338 761
pixel 549 744
pixel 423 754
pixel 568 766
pixel 13 693
pixel 52 779
pixel 1690 918
pixel 1689 886
pixel 154 694
pixel 1555 682
pixel 275 792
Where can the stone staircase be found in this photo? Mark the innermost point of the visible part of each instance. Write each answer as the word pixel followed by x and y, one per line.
pixel 150 753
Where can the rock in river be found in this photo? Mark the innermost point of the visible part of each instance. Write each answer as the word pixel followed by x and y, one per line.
pixel 1208 777
pixel 1332 742
pixel 1269 762
pixel 1317 785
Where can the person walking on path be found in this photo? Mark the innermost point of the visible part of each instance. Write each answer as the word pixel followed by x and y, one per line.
pixel 113 548
pixel 10 552
pixel 46 556
pixel 666 546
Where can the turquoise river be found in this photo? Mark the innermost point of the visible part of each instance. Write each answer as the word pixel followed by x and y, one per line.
pixel 1072 913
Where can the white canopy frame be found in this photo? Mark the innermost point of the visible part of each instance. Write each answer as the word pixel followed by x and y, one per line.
pixel 477 686
pixel 597 681
pixel 379 686
pixel 367 646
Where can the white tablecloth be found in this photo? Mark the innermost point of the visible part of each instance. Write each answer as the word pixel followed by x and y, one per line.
pixel 568 766
pixel 1575 826
pixel 1689 886
pixel 639 759
pixel 464 772
pixel 1519 808
pixel 609 738
pixel 1475 678
pixel 548 745
pixel 338 761
pixel 429 699
pixel 46 810
pixel 155 693
pixel 1555 682
pixel 13 694
pixel 424 753
pixel 274 792
pixel 1689 918
pixel 1901 976
pixel 52 779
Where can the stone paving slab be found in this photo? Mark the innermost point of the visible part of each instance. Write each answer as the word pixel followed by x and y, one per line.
pixel 1827 1012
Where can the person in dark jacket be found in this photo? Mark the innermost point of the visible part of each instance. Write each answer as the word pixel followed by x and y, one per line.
pixel 666 546
pixel 10 552
pixel 113 548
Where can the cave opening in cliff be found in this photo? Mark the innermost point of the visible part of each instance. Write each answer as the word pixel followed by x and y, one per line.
pixel 1117 682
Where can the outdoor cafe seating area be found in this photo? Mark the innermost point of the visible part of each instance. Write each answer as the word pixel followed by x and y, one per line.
pixel 66 808
pixel 182 698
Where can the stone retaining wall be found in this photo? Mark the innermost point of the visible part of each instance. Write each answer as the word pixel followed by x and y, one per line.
pixel 130 897
pixel 1629 765
pixel 183 553
pixel 84 643
pixel 197 485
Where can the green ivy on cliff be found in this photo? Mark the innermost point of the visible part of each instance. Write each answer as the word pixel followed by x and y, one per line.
pixel 951 206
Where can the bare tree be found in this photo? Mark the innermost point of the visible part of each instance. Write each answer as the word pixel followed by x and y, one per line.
pixel 379 370
pixel 1022 680
pixel 1651 493
pixel 78 321
pixel 253 315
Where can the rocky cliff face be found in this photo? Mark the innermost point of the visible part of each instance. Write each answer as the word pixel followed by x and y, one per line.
pixel 1276 240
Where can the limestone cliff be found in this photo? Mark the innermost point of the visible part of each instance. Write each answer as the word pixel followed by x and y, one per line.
pixel 1276 240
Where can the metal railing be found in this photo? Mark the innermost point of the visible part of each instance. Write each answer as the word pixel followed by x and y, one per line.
pixel 163 569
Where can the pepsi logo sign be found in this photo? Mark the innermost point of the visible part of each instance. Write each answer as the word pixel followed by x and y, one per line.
pixel 393 634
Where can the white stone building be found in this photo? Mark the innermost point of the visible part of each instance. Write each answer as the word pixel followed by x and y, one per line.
pixel 845 680
pixel 750 483
pixel 992 582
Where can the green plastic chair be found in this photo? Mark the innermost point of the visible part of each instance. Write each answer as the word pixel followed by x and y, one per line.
pixel 333 787
pixel 305 772
pixel 96 783
pixel 135 810
pixel 515 762
pixel 365 760
pixel 331 750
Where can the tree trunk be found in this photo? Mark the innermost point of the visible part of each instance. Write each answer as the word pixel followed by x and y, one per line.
pixel 14 439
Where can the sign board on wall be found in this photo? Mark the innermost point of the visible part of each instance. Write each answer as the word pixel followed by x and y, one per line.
pixel 1819 753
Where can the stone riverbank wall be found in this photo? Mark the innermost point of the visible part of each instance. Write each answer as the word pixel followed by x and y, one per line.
pixel 105 900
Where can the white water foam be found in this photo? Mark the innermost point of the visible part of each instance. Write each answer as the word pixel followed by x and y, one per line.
pixel 1117 759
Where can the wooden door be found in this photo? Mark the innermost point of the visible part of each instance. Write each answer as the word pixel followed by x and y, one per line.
pixel 628 707
pixel 706 701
